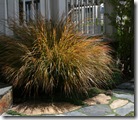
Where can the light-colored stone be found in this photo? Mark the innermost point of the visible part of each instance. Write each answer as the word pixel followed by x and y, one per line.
pixel 99 99
pixel 4 90
pixel 47 115
pixel 96 110
pixel 75 113
pixel 5 114
pixel 125 96
pixel 118 103
pixel 125 109
pixel 90 101
pixel 110 115
pixel 60 115
pixel 6 102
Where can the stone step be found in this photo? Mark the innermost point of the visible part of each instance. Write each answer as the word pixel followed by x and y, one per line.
pixel 127 86
pixel 6 97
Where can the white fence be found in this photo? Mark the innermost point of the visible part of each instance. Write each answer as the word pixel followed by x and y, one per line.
pixel 88 14
pixel 28 9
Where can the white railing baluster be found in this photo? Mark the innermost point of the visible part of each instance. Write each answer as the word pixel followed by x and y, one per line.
pixel 74 10
pixel 87 18
pixel 82 16
pixel 77 15
pixel 92 17
pixel 15 9
pixel 70 10
pixel 24 11
pixel 99 20
pixel 92 31
pixel 79 20
pixel 27 13
pixel 32 9
pixel 66 2
pixel 103 19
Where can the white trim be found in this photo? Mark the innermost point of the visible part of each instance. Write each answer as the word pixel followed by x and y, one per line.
pixel 47 9
pixel 5 17
pixel 42 8
pixel 16 9
pixel 24 11
pixel 32 9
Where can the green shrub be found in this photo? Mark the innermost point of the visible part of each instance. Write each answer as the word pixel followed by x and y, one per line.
pixel 122 19
pixel 53 57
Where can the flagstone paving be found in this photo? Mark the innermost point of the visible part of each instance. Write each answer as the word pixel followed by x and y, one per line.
pixel 130 97
pixel 121 104
pixel 96 110
pixel 118 103
pixel 125 109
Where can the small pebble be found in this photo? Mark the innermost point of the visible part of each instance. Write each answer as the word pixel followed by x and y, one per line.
pixel 109 92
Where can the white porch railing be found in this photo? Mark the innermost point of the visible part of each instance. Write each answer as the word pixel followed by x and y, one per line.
pixel 88 14
pixel 28 9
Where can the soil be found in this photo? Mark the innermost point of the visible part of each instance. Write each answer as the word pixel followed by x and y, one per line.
pixel 38 108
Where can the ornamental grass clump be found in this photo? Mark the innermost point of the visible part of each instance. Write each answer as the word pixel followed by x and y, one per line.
pixel 48 56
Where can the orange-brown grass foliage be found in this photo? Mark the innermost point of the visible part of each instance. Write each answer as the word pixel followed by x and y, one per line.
pixel 53 56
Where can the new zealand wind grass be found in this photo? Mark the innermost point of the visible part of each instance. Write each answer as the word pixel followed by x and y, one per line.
pixel 54 57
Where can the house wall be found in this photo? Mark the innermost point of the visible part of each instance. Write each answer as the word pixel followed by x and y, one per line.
pixel 2 15
pixel 8 9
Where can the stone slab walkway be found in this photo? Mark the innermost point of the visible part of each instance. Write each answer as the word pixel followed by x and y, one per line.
pixel 121 104
pixel 124 106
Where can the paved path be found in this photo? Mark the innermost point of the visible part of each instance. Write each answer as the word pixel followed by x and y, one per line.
pixel 122 104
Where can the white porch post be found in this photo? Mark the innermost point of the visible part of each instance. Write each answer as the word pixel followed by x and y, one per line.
pixel 58 8
pixel 45 8
pixel 32 9
pixel 63 7
pixel 42 7
pixel 54 4
pixel 16 10
pixel 24 11
pixel 47 11
pixel 109 29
